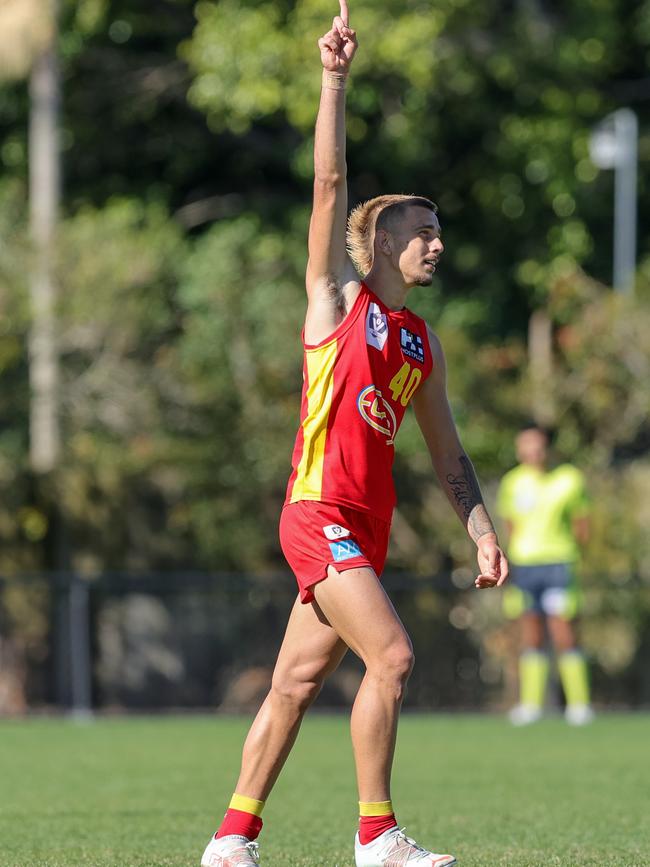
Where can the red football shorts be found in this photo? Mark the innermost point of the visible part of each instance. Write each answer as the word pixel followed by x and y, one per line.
pixel 315 535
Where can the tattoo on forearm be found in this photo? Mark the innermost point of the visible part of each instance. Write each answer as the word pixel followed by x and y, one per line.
pixel 467 495
pixel 479 523
pixel 465 487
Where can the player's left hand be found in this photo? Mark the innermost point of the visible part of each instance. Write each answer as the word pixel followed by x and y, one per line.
pixel 492 563
pixel 338 46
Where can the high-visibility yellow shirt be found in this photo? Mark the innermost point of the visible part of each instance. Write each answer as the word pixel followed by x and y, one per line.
pixel 541 506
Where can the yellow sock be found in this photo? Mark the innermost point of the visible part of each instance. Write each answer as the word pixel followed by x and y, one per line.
pixel 375 808
pixel 533 674
pixel 246 805
pixel 574 677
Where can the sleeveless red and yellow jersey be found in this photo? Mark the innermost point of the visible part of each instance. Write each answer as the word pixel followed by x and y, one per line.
pixel 357 385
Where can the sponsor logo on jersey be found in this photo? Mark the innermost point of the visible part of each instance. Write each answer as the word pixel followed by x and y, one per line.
pixel 412 345
pixel 335 531
pixel 345 550
pixel 376 327
pixel 377 412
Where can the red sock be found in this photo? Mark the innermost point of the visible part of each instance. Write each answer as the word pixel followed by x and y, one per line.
pixel 240 823
pixel 371 827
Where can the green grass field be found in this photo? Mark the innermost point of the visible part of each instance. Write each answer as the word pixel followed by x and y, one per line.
pixel 148 792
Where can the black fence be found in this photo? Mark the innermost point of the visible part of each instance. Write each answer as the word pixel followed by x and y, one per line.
pixel 196 641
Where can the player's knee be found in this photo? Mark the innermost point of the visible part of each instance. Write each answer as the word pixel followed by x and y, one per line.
pixel 295 691
pixel 396 663
pixel 403 662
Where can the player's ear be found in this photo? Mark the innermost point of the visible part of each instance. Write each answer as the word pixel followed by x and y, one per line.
pixel 384 242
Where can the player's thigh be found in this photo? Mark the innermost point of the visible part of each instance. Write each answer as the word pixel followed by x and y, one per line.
pixel 358 608
pixel 311 649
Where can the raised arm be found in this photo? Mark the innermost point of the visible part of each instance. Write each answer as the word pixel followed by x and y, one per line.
pixel 455 471
pixel 329 270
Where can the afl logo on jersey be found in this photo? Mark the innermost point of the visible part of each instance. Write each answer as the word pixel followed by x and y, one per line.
pixel 377 412
pixel 376 327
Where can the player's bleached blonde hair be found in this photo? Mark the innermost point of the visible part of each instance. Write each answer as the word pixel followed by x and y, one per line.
pixel 377 213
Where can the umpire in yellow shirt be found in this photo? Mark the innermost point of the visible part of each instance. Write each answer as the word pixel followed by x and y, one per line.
pixel 546 512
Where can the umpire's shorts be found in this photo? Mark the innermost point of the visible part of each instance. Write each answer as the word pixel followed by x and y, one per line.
pixel 549 589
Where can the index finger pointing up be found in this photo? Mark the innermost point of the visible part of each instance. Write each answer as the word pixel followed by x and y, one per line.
pixel 345 15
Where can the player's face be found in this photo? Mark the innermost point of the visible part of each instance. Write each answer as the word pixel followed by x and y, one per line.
pixel 418 246
pixel 532 447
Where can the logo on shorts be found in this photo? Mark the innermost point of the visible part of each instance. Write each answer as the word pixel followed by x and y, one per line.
pixel 556 601
pixel 376 326
pixel 335 531
pixel 412 345
pixel 345 550
pixel 377 412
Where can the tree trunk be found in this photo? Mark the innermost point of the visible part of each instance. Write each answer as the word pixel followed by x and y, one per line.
pixel 44 196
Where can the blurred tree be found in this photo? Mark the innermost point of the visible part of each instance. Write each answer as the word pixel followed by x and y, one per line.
pixel 120 392
pixel 240 351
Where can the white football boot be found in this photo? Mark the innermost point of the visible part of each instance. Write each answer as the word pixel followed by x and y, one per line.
pixel 525 714
pixel 394 849
pixel 231 851
pixel 578 714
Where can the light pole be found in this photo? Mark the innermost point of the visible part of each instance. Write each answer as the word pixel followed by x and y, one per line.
pixel 613 145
